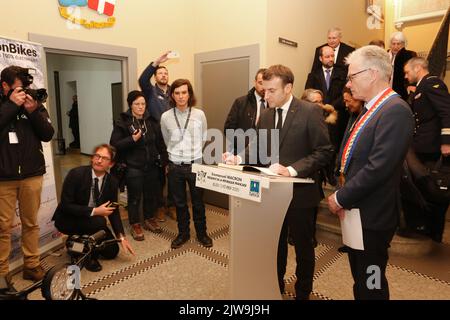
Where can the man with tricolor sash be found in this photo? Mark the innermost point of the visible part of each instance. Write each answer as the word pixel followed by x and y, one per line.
pixel 370 168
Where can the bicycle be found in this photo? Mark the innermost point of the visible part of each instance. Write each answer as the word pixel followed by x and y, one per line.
pixel 60 281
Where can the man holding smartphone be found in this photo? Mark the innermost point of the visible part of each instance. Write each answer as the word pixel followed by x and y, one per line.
pixel 89 195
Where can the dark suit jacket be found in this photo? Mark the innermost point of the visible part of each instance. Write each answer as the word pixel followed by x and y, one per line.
pixel 399 83
pixel 333 96
pixel 304 145
pixel 431 107
pixel 344 51
pixel 373 176
pixel 242 115
pixel 76 193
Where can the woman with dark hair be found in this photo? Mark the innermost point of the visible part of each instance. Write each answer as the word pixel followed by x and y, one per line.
pixel 139 143
pixel 353 106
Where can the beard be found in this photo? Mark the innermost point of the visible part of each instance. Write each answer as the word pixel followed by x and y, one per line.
pixel 162 82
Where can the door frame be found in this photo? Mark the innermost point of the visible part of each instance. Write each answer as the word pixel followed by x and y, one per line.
pixel 126 55
pixel 252 52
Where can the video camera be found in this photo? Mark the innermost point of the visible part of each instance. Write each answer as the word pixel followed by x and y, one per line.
pixel 25 76
pixel 79 245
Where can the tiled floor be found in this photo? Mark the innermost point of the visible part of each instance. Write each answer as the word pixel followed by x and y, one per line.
pixel 196 273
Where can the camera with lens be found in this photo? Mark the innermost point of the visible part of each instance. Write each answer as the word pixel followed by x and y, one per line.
pixel 26 77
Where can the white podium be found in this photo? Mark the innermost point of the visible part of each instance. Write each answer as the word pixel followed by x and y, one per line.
pixel 258 205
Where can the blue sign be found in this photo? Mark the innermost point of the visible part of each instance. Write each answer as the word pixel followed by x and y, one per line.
pixel 68 3
pixel 254 186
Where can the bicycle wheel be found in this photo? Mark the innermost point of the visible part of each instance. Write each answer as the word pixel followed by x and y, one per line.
pixel 56 284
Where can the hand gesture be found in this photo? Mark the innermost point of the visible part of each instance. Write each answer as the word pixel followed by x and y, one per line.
pixel 18 96
pixel 136 136
pixel 335 208
pixel 280 169
pixel 104 210
pixel 229 158
pixel 30 104
pixel 127 247
pixel 162 59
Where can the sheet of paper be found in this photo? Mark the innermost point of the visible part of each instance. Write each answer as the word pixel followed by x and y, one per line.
pixel 352 234
pixel 266 171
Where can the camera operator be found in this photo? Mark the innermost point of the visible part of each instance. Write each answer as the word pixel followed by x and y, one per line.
pixel 24 123
pixel 88 197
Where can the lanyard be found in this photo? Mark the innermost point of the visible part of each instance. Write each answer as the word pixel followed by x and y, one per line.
pixel 187 120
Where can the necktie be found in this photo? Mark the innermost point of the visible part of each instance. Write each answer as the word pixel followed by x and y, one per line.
pixel 280 119
pixel 327 78
pixel 262 106
pixel 96 192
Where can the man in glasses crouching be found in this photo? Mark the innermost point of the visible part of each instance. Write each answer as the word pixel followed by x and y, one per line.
pixel 89 195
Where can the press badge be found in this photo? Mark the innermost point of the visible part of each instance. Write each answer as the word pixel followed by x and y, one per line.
pixel 13 138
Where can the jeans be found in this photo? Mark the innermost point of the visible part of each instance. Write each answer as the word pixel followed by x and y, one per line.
pixel 178 176
pixel 142 183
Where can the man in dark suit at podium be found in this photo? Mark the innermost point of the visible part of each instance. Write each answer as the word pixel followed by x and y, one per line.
pixel 304 148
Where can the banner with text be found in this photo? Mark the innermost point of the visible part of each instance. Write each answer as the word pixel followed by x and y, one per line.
pixel 29 55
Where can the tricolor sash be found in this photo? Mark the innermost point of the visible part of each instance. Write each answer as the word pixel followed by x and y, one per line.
pixel 359 127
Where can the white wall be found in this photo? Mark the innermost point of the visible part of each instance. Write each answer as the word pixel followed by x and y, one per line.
pixel 94 78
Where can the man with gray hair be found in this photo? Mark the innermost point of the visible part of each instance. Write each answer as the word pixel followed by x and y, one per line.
pixel 341 50
pixel 431 106
pixel 399 56
pixel 370 168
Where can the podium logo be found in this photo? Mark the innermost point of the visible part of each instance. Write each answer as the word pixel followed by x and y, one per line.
pixel 201 176
pixel 254 188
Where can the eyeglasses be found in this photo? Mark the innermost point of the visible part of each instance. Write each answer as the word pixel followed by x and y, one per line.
pixel 98 157
pixel 353 75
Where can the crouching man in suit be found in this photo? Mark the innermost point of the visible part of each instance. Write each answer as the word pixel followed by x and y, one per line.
pixel 86 198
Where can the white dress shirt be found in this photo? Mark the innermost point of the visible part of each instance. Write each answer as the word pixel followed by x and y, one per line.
pixel 184 146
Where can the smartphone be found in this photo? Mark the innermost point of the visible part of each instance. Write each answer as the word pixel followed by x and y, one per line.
pixel 173 55
pixel 133 130
pixel 113 204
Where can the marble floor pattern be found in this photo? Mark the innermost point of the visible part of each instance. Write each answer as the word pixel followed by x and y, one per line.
pixel 197 273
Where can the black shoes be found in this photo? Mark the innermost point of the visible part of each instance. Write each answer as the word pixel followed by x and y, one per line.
pixel 205 240
pixel 180 240
pixel 93 265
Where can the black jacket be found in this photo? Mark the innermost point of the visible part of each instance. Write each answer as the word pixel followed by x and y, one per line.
pixel 147 151
pixel 431 108
pixel 25 159
pixel 157 100
pixel 399 83
pixel 76 193
pixel 333 96
pixel 242 115
pixel 344 51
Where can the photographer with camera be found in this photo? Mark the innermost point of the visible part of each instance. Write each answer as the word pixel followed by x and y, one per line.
pixel 88 196
pixel 138 139
pixel 24 124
